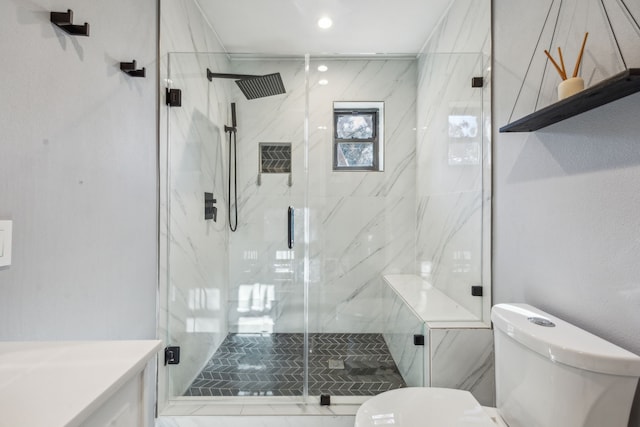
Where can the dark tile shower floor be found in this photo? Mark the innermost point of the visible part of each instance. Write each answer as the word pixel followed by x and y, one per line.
pixel 272 365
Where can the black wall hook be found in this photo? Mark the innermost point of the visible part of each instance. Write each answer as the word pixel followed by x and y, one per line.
pixel 64 20
pixel 130 68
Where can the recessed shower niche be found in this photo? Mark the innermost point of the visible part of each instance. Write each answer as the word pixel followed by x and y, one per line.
pixel 275 157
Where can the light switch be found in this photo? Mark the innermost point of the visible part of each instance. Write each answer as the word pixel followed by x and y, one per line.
pixel 5 243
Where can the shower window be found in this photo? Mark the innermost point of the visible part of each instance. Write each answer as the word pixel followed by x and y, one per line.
pixel 358 136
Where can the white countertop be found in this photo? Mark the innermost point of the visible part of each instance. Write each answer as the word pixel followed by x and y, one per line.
pixel 59 384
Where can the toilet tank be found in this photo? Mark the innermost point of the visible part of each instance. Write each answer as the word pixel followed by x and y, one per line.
pixel 550 373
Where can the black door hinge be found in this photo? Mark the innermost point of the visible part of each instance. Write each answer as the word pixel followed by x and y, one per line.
pixel 418 339
pixel 171 355
pixel 477 82
pixel 174 97
pixel 476 291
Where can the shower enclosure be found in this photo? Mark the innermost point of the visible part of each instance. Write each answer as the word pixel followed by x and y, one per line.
pixel 253 314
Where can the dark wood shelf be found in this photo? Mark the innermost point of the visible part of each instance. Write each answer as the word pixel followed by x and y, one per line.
pixel 609 90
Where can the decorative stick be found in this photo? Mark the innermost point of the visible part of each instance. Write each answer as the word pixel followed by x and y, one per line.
pixel 564 70
pixel 555 64
pixel 584 42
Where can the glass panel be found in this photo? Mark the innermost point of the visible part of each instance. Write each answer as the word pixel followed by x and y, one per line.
pixel 355 154
pixel 422 216
pixel 362 226
pixel 235 299
pixel 449 172
pixel 196 293
pixel 246 297
pixel 355 126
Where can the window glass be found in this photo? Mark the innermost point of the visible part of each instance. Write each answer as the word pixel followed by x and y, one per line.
pixel 358 136
pixel 355 154
pixel 354 126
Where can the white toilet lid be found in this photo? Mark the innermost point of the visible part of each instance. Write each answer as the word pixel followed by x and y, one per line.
pixel 423 407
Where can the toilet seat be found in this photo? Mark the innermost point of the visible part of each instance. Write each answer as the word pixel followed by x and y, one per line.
pixel 425 407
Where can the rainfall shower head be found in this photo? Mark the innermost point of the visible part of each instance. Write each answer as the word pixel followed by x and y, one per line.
pixel 253 86
pixel 259 87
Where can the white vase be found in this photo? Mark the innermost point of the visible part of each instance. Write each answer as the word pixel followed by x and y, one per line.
pixel 570 87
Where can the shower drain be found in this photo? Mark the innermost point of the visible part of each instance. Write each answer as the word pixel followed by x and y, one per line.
pixel 336 364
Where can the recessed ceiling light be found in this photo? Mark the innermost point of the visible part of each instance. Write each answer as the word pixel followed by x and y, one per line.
pixel 323 82
pixel 322 68
pixel 325 22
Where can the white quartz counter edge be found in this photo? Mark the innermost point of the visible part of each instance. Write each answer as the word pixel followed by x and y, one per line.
pixel 59 384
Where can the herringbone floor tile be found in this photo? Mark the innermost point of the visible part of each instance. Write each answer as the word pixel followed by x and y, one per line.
pixel 273 365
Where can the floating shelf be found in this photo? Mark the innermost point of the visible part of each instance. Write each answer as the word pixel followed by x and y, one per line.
pixel 609 90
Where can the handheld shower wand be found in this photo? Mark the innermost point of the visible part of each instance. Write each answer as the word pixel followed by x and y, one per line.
pixel 233 146
pixel 232 128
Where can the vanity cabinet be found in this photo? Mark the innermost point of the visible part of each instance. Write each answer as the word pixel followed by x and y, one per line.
pixel 77 384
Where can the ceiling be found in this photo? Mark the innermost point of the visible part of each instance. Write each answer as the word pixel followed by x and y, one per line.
pixel 290 26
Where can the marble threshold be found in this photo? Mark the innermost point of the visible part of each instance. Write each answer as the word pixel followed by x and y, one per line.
pixel 262 406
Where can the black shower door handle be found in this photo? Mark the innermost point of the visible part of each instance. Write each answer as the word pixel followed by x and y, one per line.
pixel 290 227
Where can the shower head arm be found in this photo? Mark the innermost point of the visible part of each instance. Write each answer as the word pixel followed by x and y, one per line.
pixel 211 75
pixel 253 86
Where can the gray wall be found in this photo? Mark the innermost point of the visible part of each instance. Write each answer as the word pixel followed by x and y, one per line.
pixel 566 199
pixel 78 172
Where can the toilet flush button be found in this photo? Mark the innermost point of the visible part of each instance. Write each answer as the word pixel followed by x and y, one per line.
pixel 541 321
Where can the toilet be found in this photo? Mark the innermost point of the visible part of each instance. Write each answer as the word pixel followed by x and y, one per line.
pixel 549 373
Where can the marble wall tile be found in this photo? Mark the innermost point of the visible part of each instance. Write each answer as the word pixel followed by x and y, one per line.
pixel 368 212
pixel 450 132
pixel 463 359
pixel 391 81
pixel 361 224
pixel 464 28
pixel 184 29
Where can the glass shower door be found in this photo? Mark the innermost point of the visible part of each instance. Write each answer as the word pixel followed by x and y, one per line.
pixel 362 225
pixel 235 299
